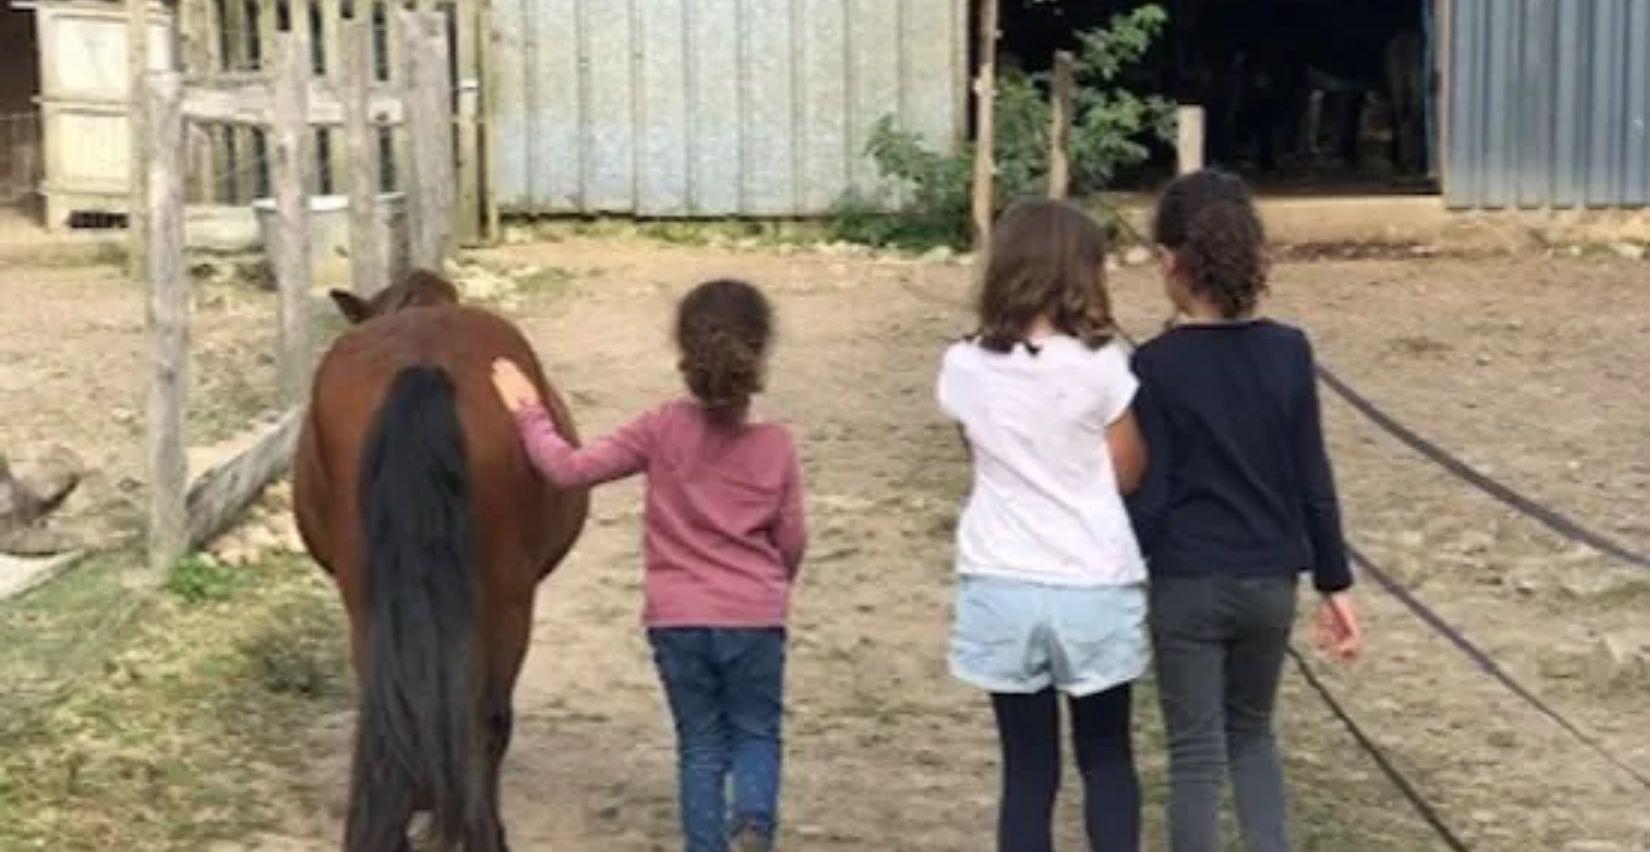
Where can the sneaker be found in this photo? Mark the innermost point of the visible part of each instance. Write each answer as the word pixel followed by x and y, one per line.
pixel 748 839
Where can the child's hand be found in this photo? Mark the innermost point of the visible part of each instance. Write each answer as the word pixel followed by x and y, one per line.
pixel 1338 632
pixel 514 388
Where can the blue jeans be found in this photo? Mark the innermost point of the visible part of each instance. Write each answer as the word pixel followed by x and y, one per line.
pixel 726 692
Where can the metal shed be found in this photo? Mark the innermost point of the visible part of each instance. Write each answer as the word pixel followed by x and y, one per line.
pixel 1548 104
pixel 713 107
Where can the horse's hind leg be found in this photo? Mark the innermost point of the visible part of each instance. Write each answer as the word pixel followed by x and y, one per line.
pixel 500 722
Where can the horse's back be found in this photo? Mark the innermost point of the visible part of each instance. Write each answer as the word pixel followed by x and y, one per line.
pixel 523 526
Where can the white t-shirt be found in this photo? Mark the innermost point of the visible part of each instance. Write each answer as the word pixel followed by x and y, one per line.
pixel 1045 506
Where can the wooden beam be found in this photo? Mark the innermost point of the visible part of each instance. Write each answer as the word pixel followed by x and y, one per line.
pixel 196 28
pixel 1059 135
pixel 18 575
pixel 367 272
pixel 236 140
pixel 467 215
pixel 985 135
pixel 1437 83
pixel 398 167
pixel 168 325
pixel 489 112
pixel 223 492
pixel 268 22
pixel 290 166
pixel 1189 139
pixel 331 22
pixel 138 142
pixel 430 182
pixel 332 47
pixel 240 100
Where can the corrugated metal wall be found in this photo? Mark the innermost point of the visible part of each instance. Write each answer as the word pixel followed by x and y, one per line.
pixel 713 107
pixel 1549 104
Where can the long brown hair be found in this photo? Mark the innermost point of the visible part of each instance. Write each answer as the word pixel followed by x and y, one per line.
pixel 723 328
pixel 1047 257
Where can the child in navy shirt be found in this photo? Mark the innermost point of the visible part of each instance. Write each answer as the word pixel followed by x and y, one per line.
pixel 1237 500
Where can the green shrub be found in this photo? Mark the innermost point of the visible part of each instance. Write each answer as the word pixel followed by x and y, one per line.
pixel 1112 128
pixel 197 580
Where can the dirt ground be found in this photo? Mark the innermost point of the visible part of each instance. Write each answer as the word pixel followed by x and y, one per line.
pixel 1531 368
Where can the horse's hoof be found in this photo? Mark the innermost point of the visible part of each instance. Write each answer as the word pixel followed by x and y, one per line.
pixel 421 829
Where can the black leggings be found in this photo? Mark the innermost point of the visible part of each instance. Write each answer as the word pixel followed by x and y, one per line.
pixel 1029 726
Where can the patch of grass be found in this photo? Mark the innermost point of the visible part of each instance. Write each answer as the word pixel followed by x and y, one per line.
pixel 294 651
pixel 66 255
pixel 742 233
pixel 231 386
pixel 165 719
pixel 197 580
pixel 550 278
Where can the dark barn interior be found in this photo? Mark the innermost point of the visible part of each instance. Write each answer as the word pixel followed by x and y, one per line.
pixel 1300 95
pixel 19 116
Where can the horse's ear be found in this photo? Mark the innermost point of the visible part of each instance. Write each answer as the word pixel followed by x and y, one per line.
pixel 427 288
pixel 351 306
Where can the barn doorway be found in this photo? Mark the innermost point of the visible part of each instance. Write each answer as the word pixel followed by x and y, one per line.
pixel 20 145
pixel 1301 96
pixel 1314 95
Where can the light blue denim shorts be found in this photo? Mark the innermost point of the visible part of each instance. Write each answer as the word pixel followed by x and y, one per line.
pixel 1022 637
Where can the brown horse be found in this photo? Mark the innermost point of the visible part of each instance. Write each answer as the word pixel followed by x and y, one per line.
pixel 413 491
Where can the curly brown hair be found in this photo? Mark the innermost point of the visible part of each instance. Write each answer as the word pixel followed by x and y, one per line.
pixel 723 329
pixel 1047 258
pixel 1208 219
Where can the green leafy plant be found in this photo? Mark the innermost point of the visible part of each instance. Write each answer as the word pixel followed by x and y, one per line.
pixel 931 193
pixel 197 580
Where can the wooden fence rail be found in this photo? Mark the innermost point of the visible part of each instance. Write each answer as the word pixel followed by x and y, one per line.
pixel 283 105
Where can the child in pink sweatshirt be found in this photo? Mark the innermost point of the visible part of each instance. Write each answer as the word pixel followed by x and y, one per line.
pixel 724 537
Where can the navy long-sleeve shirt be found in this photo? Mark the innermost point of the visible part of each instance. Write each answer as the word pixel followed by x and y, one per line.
pixel 1238 480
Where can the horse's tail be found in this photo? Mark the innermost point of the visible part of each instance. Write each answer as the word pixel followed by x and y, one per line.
pixel 420 739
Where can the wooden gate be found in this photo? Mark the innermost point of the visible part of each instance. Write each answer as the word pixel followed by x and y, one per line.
pixel 226 39
pixel 279 112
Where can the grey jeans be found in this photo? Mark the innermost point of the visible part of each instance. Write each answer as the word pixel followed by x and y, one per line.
pixel 1220 644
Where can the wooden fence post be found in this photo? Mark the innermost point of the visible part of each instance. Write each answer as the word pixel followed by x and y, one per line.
pixel 1059 134
pixel 331 15
pixel 398 165
pixel 489 111
pixel 467 209
pixel 366 258
pixel 289 172
pixel 429 183
pixel 985 131
pixel 137 124
pixel 234 141
pixel 168 322
pixel 1189 139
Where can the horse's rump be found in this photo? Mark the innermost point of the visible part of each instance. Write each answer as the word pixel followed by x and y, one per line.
pixel 519 516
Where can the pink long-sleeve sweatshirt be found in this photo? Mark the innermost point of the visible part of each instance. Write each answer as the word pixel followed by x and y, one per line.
pixel 724 529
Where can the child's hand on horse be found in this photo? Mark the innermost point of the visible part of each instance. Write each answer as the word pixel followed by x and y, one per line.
pixel 514 388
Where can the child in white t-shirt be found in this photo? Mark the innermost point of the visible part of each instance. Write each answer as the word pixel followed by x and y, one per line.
pixel 1051 592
